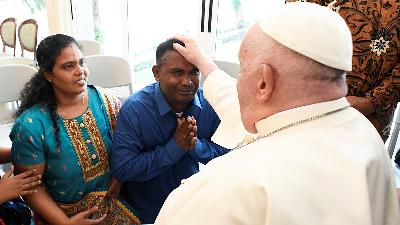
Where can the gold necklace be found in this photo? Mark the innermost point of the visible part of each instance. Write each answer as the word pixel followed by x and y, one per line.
pixel 62 112
pixel 244 143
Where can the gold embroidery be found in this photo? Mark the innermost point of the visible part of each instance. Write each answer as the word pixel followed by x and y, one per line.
pixel 89 170
pixel 97 141
pixel 117 213
pixel 109 109
pixel 112 107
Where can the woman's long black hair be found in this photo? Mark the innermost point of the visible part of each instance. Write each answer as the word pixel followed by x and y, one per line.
pixel 38 90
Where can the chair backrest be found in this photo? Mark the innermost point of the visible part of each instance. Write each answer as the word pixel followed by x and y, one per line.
pixel 394 132
pixel 27 34
pixel 13 78
pixel 90 47
pixel 8 31
pixel 109 71
pixel 16 60
pixel 230 68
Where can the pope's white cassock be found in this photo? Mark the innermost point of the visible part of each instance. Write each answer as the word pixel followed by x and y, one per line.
pixel 333 170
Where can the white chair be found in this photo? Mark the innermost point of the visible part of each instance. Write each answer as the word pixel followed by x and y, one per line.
pixel 8 31
pixel 13 79
pixel 27 34
pixel 110 72
pixel 230 68
pixel 90 47
pixel 16 60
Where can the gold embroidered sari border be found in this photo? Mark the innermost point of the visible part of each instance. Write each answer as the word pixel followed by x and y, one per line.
pixel 109 110
pixel 117 212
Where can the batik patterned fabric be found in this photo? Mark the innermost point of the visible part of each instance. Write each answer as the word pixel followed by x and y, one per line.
pixel 80 165
pixel 375 28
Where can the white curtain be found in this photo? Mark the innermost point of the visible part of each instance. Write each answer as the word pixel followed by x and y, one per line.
pixel 59 17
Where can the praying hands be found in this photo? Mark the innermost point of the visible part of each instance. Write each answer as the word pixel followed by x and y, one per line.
pixel 185 133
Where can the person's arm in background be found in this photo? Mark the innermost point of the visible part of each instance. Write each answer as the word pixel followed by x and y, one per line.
pixel 362 104
pixel 380 98
pixel 14 186
pixel 129 161
pixel 5 155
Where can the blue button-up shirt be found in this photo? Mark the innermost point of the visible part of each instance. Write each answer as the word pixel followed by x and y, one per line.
pixel 145 156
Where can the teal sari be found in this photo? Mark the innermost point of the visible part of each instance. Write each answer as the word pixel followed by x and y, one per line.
pixel 76 172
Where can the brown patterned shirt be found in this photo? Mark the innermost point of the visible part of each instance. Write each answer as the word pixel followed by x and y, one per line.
pixel 374 25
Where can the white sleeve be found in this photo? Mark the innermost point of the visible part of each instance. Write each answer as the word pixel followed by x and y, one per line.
pixel 220 91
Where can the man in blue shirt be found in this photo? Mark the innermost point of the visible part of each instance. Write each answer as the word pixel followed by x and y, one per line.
pixel 162 133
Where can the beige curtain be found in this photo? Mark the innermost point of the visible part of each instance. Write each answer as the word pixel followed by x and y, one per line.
pixel 59 17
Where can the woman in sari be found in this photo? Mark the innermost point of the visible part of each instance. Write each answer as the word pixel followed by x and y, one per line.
pixel 64 130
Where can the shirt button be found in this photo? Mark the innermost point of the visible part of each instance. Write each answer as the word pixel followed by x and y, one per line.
pixel 88 141
pixel 81 125
pixel 94 156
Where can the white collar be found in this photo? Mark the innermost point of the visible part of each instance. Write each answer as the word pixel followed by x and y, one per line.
pixel 287 117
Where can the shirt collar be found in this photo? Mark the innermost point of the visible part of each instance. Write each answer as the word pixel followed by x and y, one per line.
pixel 164 107
pixel 290 116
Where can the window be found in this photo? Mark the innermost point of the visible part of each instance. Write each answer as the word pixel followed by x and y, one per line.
pixel 103 21
pixel 132 29
pixel 234 18
pixel 150 23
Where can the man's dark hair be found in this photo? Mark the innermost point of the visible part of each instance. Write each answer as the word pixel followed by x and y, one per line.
pixel 164 47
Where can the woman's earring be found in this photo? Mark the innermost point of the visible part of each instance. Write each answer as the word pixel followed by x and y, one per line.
pixel 50 80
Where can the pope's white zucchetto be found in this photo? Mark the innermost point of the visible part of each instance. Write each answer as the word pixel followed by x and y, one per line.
pixel 312 30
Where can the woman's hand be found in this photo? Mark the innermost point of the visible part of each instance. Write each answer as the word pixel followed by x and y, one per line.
pixel 14 186
pixel 115 188
pixel 85 217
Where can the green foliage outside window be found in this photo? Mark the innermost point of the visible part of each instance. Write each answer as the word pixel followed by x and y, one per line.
pixel 34 5
pixel 99 34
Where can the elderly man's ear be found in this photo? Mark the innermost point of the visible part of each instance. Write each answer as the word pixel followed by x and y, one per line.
pixel 265 84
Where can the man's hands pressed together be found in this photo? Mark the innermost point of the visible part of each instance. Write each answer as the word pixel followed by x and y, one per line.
pixel 186 133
